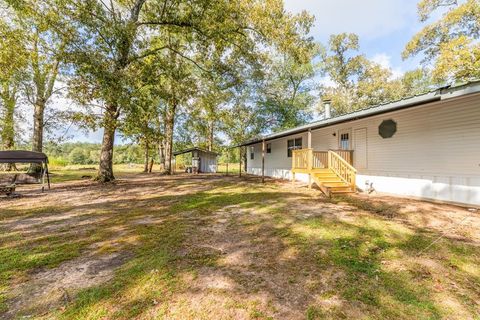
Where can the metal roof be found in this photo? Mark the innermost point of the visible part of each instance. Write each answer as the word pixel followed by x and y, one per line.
pixel 438 94
pixel 22 156
pixel 176 153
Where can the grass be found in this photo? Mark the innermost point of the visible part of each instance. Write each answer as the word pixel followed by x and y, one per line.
pixel 226 248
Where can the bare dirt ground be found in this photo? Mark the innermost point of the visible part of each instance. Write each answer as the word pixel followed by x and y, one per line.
pixel 216 247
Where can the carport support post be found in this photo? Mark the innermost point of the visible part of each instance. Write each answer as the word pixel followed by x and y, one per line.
pixel 263 161
pixel 48 175
pixel 43 176
pixel 309 146
pixel 240 161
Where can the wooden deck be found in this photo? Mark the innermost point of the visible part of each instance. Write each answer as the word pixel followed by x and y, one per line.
pixel 331 170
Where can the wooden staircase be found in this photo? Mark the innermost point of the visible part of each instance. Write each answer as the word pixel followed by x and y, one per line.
pixel 328 169
pixel 330 183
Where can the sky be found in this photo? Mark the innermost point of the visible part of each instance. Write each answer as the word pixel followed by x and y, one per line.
pixel 383 26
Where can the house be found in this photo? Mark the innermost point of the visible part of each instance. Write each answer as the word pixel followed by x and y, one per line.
pixel 426 146
pixel 202 161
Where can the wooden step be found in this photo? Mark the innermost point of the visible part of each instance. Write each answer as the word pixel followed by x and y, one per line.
pixel 326 175
pixel 346 191
pixel 336 184
pixel 330 180
pixel 322 171
pixel 330 183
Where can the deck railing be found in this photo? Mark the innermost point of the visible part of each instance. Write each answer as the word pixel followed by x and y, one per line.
pixel 342 168
pixel 320 159
pixel 301 159
pixel 340 161
pixel 306 159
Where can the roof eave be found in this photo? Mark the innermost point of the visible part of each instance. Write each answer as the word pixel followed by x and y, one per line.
pixel 443 93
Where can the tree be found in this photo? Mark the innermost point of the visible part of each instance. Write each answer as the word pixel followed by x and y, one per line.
pixel 112 38
pixel 251 124
pixel 45 48
pixel 141 122
pixel 417 81
pixel 78 156
pixel 376 85
pixel 359 83
pixel 450 44
pixel 12 64
pixel 287 90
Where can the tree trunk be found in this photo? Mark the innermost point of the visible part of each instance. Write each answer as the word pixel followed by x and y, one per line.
pixel 210 135
pixel 105 170
pixel 38 114
pixel 37 138
pixel 146 157
pixel 161 155
pixel 169 126
pixel 150 167
pixel 8 129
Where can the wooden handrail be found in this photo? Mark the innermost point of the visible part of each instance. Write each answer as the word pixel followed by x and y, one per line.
pixel 342 168
pixel 347 155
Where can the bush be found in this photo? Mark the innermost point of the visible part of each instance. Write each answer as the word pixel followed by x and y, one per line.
pixel 78 156
pixel 57 161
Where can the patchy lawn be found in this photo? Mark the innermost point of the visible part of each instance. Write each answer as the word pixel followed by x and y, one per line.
pixel 216 247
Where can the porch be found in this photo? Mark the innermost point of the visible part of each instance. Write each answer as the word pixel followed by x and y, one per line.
pixel 331 170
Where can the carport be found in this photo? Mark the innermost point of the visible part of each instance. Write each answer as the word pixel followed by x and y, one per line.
pixel 32 157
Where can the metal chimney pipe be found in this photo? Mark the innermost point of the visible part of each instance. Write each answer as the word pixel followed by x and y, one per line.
pixel 327 106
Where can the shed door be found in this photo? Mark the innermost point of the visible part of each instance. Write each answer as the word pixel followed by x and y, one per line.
pixel 360 151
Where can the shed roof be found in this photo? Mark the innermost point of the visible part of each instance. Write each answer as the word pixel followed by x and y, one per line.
pixel 176 153
pixel 22 156
pixel 438 94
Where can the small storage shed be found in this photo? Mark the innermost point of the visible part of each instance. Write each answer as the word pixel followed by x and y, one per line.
pixel 203 161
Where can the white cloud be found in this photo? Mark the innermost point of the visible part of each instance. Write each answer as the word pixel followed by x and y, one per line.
pixel 385 61
pixel 382 59
pixel 327 81
pixel 367 18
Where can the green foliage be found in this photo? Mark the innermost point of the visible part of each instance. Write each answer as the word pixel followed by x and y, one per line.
pixel 287 94
pixel 359 83
pixel 88 154
pixel 78 156
pixel 450 44
pixel 13 62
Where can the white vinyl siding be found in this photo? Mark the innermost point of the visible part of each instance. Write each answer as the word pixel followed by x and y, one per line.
pixel 435 152
pixel 277 163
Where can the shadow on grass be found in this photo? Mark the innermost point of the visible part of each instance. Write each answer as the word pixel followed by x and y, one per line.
pixel 348 257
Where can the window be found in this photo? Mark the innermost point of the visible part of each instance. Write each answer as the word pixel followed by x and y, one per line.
pixel 344 141
pixel 293 144
pixel 269 148
pixel 252 153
